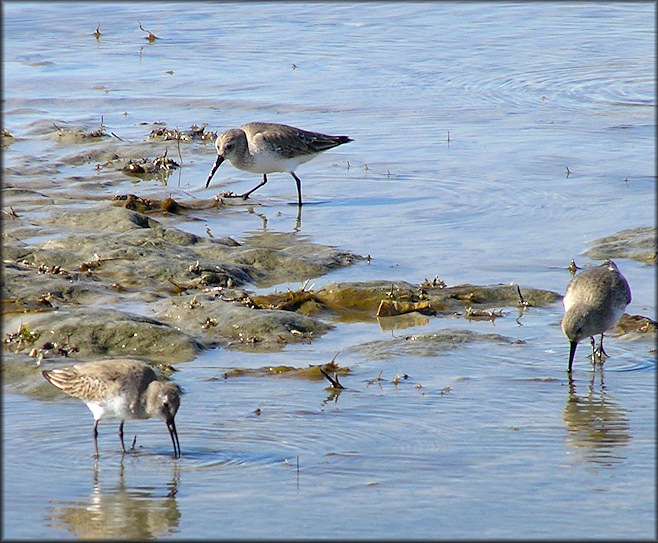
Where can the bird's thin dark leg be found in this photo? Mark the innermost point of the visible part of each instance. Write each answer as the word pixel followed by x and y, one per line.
pixel 593 342
pixel 246 194
pixel 123 448
pixel 601 351
pixel 299 188
pixel 95 434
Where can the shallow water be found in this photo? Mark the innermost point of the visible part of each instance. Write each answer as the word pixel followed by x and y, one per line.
pixel 482 440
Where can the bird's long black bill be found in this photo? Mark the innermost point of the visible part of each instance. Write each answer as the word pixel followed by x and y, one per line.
pixel 216 165
pixel 572 352
pixel 174 437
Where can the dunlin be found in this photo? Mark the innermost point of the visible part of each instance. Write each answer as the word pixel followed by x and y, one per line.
pixel 269 147
pixel 593 302
pixel 123 389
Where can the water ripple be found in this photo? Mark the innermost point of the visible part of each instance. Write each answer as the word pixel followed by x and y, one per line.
pixel 577 85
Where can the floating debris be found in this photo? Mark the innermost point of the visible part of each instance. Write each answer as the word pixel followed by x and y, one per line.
pixel 479 315
pixel 69 134
pixel 194 133
pixel 392 308
pixel 290 300
pixel 434 283
pixel 161 165
pixel 23 334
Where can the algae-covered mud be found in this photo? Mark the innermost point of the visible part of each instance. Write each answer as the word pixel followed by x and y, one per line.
pixel 70 290
pixel 65 295
pixel 385 361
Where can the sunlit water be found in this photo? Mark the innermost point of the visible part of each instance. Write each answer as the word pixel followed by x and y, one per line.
pixel 465 118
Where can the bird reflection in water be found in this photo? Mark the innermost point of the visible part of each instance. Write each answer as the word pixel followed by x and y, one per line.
pixel 597 427
pixel 120 511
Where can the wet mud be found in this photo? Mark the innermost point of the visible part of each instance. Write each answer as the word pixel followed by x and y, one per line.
pixel 87 276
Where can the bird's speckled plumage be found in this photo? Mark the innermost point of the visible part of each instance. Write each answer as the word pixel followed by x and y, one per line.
pixel 125 389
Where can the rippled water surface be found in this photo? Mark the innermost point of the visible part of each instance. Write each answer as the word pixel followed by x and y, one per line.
pixel 465 118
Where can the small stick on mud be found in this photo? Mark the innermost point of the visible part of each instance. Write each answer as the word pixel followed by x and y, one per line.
pixel 376 379
pixel 179 287
pixel 333 380
pixel 180 156
pixel 523 302
pixel 151 37
pixel 11 213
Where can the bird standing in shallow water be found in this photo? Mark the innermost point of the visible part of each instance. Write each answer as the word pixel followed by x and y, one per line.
pixel 270 147
pixel 594 301
pixel 124 389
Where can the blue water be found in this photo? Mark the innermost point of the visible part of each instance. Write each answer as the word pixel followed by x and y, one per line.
pixel 465 118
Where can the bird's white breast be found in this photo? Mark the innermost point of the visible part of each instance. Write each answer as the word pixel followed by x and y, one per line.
pixel 265 160
pixel 114 408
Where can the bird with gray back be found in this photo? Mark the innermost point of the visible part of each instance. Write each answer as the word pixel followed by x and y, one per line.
pixel 594 301
pixel 270 147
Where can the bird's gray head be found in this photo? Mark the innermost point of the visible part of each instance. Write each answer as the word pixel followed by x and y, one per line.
pixel 573 326
pixel 231 145
pixel 163 400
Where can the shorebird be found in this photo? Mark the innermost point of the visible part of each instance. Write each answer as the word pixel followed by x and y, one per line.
pixel 270 147
pixel 593 302
pixel 121 388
